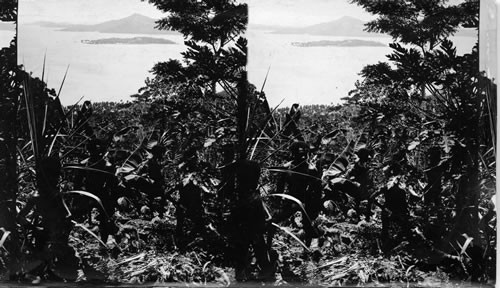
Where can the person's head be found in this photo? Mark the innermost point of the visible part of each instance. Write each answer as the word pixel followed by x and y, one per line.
pixel 364 154
pixel 50 170
pixel 247 174
pixel 299 151
pixel 96 147
pixel 86 106
pixel 434 154
pixel 393 169
pixel 158 151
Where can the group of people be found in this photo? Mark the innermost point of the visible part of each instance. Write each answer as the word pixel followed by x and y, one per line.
pixel 250 218
pixel 304 181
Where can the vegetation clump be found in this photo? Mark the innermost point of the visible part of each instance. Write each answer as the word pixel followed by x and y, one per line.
pixel 199 180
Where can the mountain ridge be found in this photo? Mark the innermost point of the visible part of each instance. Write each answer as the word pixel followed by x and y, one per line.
pixel 348 26
pixel 133 24
pixel 344 26
pixel 140 24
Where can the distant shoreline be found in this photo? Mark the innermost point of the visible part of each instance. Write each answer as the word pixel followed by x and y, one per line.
pixel 134 40
pixel 341 43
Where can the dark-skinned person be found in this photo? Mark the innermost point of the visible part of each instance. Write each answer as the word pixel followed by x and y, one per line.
pixel 55 259
pixel 83 118
pixel 302 181
pixel 356 183
pixel 100 181
pixel 395 215
pixel 434 174
pixel 189 211
pixel 291 128
pixel 249 221
pixel 154 182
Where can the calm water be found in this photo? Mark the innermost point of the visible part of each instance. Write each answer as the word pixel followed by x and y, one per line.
pixel 314 75
pixel 309 75
pixel 97 72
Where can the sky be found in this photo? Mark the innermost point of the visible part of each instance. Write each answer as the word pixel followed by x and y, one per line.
pixel 82 12
pixel 270 12
pixel 302 12
pixel 263 12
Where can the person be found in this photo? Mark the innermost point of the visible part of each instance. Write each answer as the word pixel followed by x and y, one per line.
pixel 303 182
pixel 356 183
pixel 395 215
pixel 56 259
pixel 250 221
pixel 434 174
pixel 290 128
pixel 83 117
pixel 100 181
pixel 190 206
pixel 155 186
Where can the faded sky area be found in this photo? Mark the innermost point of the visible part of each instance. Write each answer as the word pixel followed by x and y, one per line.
pixel 302 12
pixel 264 12
pixel 82 12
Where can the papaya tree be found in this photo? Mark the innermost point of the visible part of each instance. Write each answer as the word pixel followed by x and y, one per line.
pixel 428 96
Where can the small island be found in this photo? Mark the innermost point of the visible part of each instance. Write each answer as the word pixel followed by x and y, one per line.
pixel 341 43
pixel 135 40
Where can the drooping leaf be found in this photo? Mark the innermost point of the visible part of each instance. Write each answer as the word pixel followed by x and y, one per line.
pixel 90 232
pixel 291 198
pixel 284 229
pixel 90 195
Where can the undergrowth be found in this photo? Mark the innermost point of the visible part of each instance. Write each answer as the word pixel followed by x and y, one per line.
pixel 348 253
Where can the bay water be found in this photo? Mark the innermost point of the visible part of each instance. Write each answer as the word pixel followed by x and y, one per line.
pixel 113 72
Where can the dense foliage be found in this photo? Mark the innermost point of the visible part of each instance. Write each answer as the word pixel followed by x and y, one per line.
pixel 146 191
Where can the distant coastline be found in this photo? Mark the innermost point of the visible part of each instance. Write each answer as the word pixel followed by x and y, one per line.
pixel 341 43
pixel 135 40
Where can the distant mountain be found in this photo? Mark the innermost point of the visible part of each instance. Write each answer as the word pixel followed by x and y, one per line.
pixel 134 40
pixel 348 26
pixel 343 43
pixel 133 24
pixel 8 26
pixel 345 26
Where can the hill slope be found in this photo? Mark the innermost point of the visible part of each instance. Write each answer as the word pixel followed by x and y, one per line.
pixel 133 24
pixel 348 26
pixel 345 26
